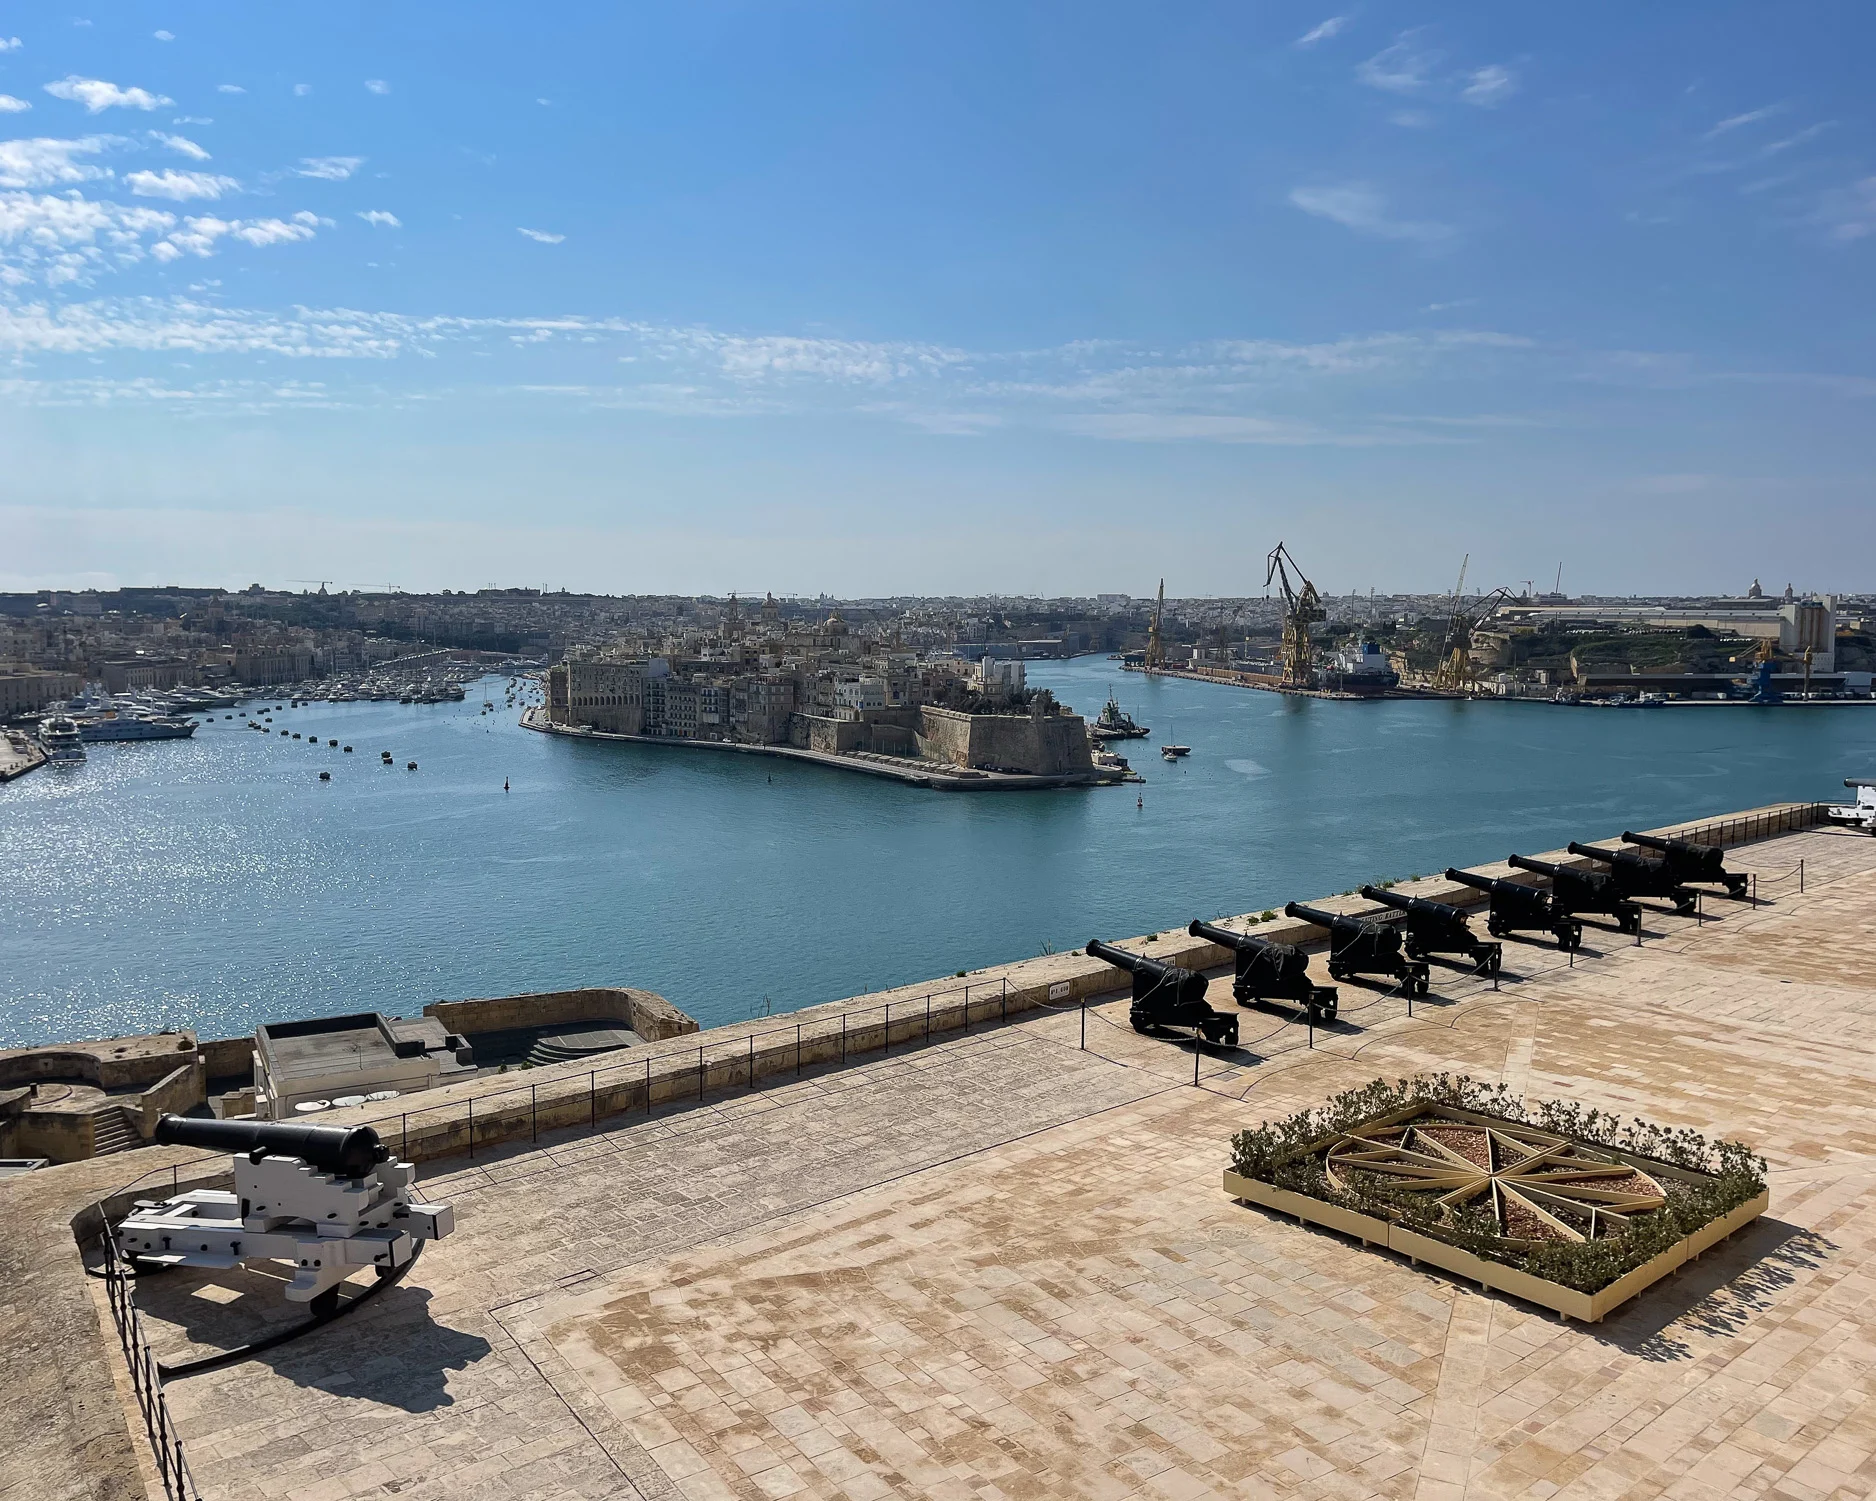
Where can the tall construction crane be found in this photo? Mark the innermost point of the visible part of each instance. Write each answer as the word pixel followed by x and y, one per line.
pixel 1155 634
pixel 1454 670
pixel 1301 608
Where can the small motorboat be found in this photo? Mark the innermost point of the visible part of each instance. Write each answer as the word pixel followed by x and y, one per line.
pixel 1174 752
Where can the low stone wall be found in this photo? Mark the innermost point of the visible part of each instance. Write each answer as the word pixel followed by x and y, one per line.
pixel 177 1094
pixel 111 1063
pixel 649 1014
pixel 228 1057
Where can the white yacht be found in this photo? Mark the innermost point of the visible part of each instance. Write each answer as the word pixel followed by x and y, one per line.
pixel 61 738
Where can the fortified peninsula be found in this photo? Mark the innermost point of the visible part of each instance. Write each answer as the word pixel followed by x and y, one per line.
pixel 825 694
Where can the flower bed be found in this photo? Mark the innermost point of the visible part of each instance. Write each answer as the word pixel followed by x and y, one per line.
pixel 1554 1202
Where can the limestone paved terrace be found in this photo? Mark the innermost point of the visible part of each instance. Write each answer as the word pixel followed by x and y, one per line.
pixel 1002 1266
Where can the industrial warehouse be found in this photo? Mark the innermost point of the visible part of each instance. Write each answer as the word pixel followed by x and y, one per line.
pixel 1022 1232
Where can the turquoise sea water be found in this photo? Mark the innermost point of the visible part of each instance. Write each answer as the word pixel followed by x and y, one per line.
pixel 214 883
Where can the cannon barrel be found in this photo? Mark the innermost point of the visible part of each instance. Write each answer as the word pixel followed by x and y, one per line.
pixel 1484 883
pixel 1598 852
pixel 1550 868
pixel 1416 904
pixel 347 1151
pixel 1167 980
pixel 1319 917
pixel 1228 938
pixel 1709 859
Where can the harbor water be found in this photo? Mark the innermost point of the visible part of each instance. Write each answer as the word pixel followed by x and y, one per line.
pixel 217 882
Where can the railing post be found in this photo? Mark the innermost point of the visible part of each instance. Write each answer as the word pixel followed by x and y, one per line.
pixel 534 1114
pixel 928 1018
pixel 472 1128
pixel 1801 877
pixel 1084 1024
pixel 1195 1060
pixel 648 1085
pixel 843 1037
pixel 752 1060
pixel 797 1050
pixel 886 1046
pixel 404 1149
pixel 700 1075
pixel 592 1096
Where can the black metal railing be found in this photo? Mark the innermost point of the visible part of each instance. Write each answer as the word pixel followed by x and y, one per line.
pixel 146 1383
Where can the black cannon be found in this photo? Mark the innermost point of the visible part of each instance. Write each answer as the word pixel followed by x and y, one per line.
pixel 1360 946
pixel 1270 971
pixel 1693 862
pixel 1573 891
pixel 347 1151
pixel 1516 906
pixel 1640 875
pixel 1164 995
pixel 1435 928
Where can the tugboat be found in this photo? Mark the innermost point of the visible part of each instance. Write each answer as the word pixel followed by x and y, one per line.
pixel 1116 724
pixel 61 738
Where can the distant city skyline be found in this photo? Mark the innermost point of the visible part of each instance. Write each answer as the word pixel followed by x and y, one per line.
pixel 867 301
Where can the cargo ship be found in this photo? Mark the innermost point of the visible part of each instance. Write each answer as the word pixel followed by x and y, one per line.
pixel 1358 668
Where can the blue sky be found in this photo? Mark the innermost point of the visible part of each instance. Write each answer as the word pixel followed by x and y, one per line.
pixel 888 298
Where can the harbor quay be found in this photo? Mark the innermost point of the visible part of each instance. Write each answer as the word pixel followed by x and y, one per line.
pixel 997 1258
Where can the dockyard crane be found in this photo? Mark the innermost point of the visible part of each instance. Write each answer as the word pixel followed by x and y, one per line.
pixel 1156 635
pixel 1301 608
pixel 1455 671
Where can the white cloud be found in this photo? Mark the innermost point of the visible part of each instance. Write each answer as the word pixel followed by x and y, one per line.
pixel 1322 32
pixel 181 145
pixel 1402 68
pixel 1489 86
pixel 229 88
pixel 11 106
pixel 378 216
pixel 1360 208
pixel 377 86
pixel 301 90
pixel 179 186
pixel 329 168
pixel 1750 117
pixel 9 44
pixel 164 36
pixel 1848 213
pixel 62 238
pixel 543 236
pixel 45 163
pixel 198 236
pixel 96 95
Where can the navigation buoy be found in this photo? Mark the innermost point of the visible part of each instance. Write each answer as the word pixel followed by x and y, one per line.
pixel 1140 802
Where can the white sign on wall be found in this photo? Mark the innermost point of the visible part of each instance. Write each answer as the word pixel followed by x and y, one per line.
pixel 1059 991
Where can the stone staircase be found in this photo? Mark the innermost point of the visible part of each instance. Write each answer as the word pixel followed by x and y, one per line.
pixel 112 1131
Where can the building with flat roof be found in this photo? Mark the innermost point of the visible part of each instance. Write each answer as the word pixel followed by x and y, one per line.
pixel 333 1057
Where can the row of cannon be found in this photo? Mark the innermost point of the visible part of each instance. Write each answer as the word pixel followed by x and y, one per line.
pixel 1265 970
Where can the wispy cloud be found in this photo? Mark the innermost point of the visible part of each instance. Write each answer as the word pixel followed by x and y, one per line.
pixel 1403 68
pixel 199 236
pixel 11 106
pixel 164 36
pixel 301 90
pixel 43 163
pixel 329 168
pixel 377 86
pixel 1489 86
pixel 544 236
pixel 97 95
pixel 179 186
pixel 181 145
pixel 229 88
pixel 1322 31
pixel 1848 213
pixel 380 217
pixel 1359 207
pixel 1750 117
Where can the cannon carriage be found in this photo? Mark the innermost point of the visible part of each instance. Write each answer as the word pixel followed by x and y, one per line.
pixel 1164 995
pixel 1705 863
pixel 1516 907
pixel 1574 891
pixel 1435 928
pixel 1361 946
pixel 1266 970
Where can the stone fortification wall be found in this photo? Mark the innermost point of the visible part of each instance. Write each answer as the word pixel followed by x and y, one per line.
pixel 111 1063
pixel 646 1012
pixel 228 1057
pixel 1043 745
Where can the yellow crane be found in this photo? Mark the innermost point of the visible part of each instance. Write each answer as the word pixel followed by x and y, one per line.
pixel 1455 671
pixel 1155 634
pixel 1301 609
